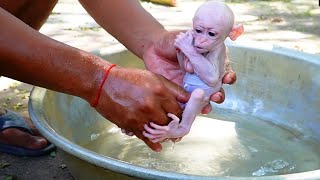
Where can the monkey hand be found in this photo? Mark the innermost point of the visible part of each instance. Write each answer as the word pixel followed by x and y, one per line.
pixel 183 42
pixel 172 131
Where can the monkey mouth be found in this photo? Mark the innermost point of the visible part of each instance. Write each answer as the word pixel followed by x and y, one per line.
pixel 200 49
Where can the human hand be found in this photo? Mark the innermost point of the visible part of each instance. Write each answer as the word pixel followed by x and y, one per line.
pixel 161 58
pixel 131 98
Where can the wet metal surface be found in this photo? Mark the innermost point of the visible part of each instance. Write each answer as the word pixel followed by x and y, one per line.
pixel 274 84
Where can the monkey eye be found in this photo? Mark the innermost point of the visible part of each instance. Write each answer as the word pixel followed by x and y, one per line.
pixel 211 34
pixel 198 31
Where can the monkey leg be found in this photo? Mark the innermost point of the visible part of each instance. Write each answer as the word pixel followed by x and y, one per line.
pixel 194 106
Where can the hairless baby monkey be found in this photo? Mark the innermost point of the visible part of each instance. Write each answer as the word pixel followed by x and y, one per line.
pixel 202 55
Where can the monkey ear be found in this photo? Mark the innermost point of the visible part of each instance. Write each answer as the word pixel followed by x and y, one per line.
pixel 236 31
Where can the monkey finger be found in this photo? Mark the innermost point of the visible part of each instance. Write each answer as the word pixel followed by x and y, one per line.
pixel 151 136
pixel 153 131
pixel 156 136
pixel 173 117
pixel 181 35
pixel 163 128
pixel 192 33
pixel 188 33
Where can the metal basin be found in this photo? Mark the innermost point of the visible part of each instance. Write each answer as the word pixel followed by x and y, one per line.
pixel 268 127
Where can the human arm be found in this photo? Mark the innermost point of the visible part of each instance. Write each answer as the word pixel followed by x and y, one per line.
pixel 31 57
pixel 127 21
pixel 145 37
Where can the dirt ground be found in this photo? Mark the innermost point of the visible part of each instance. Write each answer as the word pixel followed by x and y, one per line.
pixel 293 24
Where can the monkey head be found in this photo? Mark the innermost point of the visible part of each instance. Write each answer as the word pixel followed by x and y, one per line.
pixel 212 24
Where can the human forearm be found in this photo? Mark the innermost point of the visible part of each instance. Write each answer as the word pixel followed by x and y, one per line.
pixel 31 57
pixel 127 21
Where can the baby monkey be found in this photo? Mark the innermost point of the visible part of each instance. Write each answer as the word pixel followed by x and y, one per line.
pixel 202 54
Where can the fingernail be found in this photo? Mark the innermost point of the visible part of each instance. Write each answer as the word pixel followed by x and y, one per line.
pixel 209 110
pixel 216 98
pixel 229 80
pixel 158 149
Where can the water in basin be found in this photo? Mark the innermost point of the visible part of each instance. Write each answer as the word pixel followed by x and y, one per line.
pixel 223 143
pixel 268 125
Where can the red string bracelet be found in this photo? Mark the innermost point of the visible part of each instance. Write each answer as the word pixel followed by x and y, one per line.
pixel 96 100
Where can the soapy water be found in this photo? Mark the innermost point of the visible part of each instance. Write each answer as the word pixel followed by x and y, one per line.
pixel 228 144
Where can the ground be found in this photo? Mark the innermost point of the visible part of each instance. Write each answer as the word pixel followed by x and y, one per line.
pixel 293 24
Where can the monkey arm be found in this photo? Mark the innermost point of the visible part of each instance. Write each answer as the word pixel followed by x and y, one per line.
pixel 181 59
pixel 206 70
pixel 127 21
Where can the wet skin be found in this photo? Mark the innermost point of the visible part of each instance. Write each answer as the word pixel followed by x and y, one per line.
pixel 23 10
pixel 44 62
pixel 203 56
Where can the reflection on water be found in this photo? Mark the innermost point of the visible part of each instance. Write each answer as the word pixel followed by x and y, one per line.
pixel 223 144
pixel 275 166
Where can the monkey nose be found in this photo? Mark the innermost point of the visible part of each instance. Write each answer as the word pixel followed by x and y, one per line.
pixel 201 42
